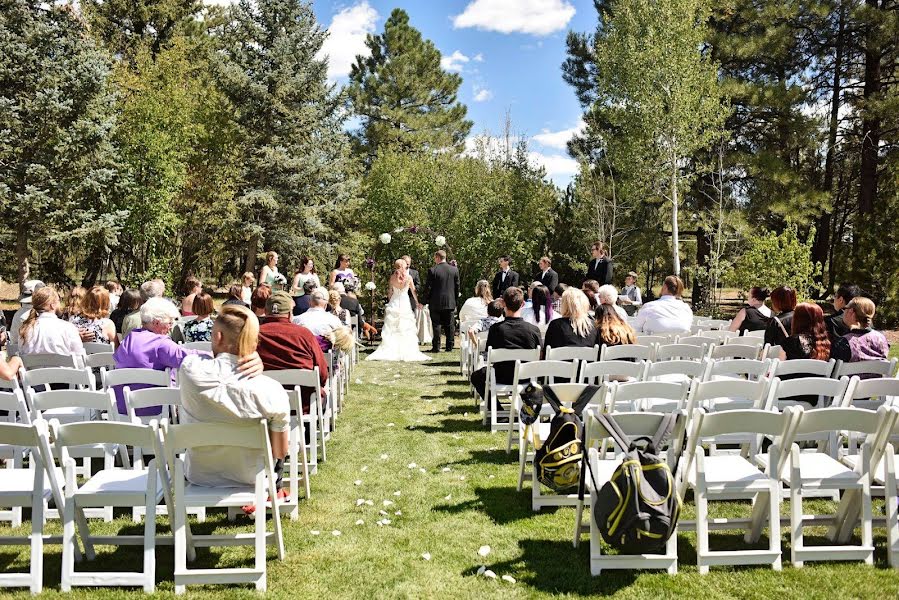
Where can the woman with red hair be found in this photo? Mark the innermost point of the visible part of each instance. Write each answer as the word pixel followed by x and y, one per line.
pixel 783 302
pixel 808 335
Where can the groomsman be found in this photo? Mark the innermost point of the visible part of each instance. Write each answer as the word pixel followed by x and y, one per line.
pixel 547 276
pixel 600 268
pixel 506 277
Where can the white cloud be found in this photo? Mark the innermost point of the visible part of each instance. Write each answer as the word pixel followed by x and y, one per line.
pixel 454 62
pixel 482 94
pixel 346 38
pixel 559 139
pixel 478 57
pixel 536 17
pixel 559 167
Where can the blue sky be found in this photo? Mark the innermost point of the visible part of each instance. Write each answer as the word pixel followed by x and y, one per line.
pixel 509 53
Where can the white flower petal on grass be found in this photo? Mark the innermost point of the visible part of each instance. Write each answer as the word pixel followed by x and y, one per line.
pixel 364 468
pixel 369 503
pixel 383 513
pixel 508 578
pixel 397 493
pixel 386 521
pixel 335 533
pixel 358 381
pixel 491 477
pixel 391 424
pixel 357 482
pixel 489 574
pixel 360 522
pixel 360 501
pixel 446 469
pixel 465 414
pixel 426 556
pixel 423 470
pixel 315 532
pixel 462 478
pixel 388 502
pixel 484 550
pixel 397 376
pixel 412 465
pixel 448 497
pixel 481 570
pixel 384 457
pixel 398 513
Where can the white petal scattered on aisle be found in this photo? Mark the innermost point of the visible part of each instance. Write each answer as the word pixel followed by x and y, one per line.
pixel 357 482
pixel 398 513
pixel 448 497
pixel 484 550
pixel 508 578
pixel 426 556
pixel 489 574
pixel 315 532
pixel 461 477
pixel 446 469
pixel 384 457
pixel 422 470
pixel 388 502
pixel 360 522
pixel 383 513
pixel 364 468
pixel 391 424
pixel 335 533
pixel 481 570
pixel 397 493
pixel 358 382
pixel 370 502
pixel 360 501
pixel 412 465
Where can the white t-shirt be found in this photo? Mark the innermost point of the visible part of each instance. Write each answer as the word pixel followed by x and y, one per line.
pixel 665 314
pixel 318 321
pixel 474 308
pixel 213 391
pixel 527 314
pixel 50 335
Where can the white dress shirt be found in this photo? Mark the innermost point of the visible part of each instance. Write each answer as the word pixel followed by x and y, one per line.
pixel 319 321
pixel 665 314
pixel 474 308
pixel 213 391
pixel 50 335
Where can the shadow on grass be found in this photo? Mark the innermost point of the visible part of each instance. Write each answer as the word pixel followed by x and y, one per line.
pixel 455 395
pixel 450 426
pixel 488 457
pixel 501 504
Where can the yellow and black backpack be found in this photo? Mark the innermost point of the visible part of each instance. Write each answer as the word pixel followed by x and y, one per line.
pixel 558 459
pixel 637 509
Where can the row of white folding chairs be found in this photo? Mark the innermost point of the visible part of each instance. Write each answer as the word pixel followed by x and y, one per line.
pixel 135 487
pixel 760 477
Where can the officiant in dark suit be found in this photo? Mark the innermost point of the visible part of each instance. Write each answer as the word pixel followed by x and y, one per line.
pixel 505 278
pixel 600 267
pixel 442 289
pixel 415 277
pixel 547 276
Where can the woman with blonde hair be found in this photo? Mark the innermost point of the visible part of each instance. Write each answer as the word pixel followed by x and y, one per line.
pixel 863 342
pixel 575 328
pixel 335 308
pixel 94 316
pixel 399 337
pixel 269 273
pixel 73 303
pixel 613 330
pixel 476 306
pixel 42 332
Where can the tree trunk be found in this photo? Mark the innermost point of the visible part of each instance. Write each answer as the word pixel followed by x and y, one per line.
pixel 870 123
pixel 250 257
pixel 22 256
pixel 675 237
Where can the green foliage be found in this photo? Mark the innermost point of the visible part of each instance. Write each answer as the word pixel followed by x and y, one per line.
pixel 774 259
pixel 128 27
pixel 406 101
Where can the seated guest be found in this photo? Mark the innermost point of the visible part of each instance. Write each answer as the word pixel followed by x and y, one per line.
pixel 609 295
pixel 73 303
pixel 591 289
pixel 557 296
pixel 669 312
pixel 783 301
pixel 115 293
pixel 129 302
pixel 476 306
pixel 260 296
pixel 42 332
pixel 612 330
pixel 317 319
pixel 93 317
pixel 200 329
pixel 862 342
pixel 285 345
pixel 236 297
pixel 28 289
pixel 631 291
pixel 9 368
pixel 154 288
pixel 246 289
pixel 836 326
pixel 217 390
pixel 540 312
pixel 512 333
pixel 575 328
pixel 495 312
pixel 349 300
pixel 755 316
pixel 335 308
pixel 192 287
pixel 301 303
pixel 808 335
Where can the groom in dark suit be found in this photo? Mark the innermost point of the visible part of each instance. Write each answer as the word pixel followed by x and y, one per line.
pixel 442 290
pixel 505 279
pixel 600 267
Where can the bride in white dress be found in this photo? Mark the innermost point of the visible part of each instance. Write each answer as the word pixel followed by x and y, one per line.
pixel 399 337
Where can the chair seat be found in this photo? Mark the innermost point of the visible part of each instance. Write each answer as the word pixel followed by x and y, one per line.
pixel 117 481
pixel 816 467
pixel 729 469
pixel 851 461
pixel 198 495
pixel 16 482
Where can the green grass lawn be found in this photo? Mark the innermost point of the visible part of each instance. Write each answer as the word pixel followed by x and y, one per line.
pixel 463 499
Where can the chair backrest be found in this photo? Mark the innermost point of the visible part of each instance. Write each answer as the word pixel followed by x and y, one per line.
pixel 723 336
pixel 94 347
pixel 251 435
pixel 698 340
pixel 704 393
pixel 626 351
pixel 803 366
pixel 636 424
pixel 65 399
pixel 568 393
pixel 632 392
pixel 296 377
pixel 742 340
pixel 13 402
pixel 598 372
pixel 883 368
pixel 136 376
pixel 649 340
pixel 735 351
pixel 770 352
pixel 588 354
pixel 539 369
pixel 35 436
pixel 57 375
pixel 147 397
pixel 39 361
pixel 782 393
pixel 495 355
pixel 738 367
pixel 864 390
pixel 202 346
pixel 689 368
pixel 679 352
pixel 715 323
pixel 105 432
pixel 858 420
pixel 100 359
pixel 465 325
pixel 759 333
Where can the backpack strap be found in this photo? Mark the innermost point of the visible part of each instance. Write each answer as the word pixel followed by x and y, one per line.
pixel 615 432
pixel 550 395
pixel 664 431
pixel 584 399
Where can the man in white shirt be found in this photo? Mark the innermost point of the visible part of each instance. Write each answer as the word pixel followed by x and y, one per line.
pixel 318 320
pixel 213 390
pixel 28 289
pixel 668 313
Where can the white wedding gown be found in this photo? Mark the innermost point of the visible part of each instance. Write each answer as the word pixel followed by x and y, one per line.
pixel 399 337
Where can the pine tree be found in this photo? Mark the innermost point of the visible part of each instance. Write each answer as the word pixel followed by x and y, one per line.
pixel 406 101
pixel 127 26
pixel 295 158
pixel 60 170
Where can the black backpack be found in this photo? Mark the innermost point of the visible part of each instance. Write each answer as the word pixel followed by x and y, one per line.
pixel 558 459
pixel 638 508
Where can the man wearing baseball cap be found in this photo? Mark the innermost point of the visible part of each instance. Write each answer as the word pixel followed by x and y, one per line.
pixel 28 289
pixel 286 345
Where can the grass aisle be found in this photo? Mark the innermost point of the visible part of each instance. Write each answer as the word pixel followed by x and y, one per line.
pixel 410 441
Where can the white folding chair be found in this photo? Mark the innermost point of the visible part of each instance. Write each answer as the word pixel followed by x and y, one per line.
pixel 201 346
pixel 770 352
pixel 805 367
pixel 728 476
pixel 587 355
pixel 12 400
pixel 110 487
pixel 645 396
pixel 676 371
pixel 743 340
pixel 601 470
pixel 133 377
pixel 314 421
pixel 715 323
pixel 880 368
pixel 680 352
pixel 728 351
pixel 789 392
pixel 30 487
pixel 40 361
pixel 539 371
pixel 252 436
pixel 737 368
pixel 477 353
pixel 723 336
pixel 626 352
pixel 99 360
pixel 652 340
pixel 871 393
pixel 757 334
pixel 698 340
pixel 491 411
pixel 95 347
pixel 607 370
